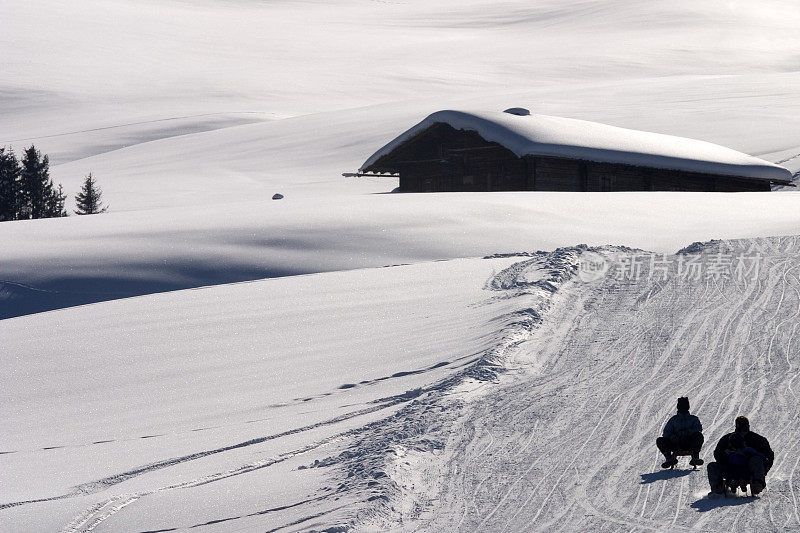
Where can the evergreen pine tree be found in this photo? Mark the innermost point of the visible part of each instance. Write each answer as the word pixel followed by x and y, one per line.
pixel 39 199
pixel 88 200
pixel 9 185
pixel 37 187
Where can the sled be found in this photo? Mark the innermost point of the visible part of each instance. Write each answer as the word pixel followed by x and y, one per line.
pixel 732 490
pixel 682 453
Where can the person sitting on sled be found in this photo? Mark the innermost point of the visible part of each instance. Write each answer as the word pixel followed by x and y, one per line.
pixel 683 432
pixel 742 457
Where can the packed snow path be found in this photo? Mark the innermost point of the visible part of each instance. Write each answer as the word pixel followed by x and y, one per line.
pixel 566 439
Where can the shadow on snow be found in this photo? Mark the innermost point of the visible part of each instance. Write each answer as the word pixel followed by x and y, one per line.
pixel 706 503
pixel 663 475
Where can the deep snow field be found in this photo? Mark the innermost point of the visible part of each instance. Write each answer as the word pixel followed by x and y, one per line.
pixel 245 364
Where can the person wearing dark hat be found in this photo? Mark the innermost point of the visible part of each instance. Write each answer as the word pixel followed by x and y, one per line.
pixel 741 457
pixel 682 432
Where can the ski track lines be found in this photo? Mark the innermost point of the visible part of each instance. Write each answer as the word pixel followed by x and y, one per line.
pixel 569 443
pixel 94 516
pixel 461 361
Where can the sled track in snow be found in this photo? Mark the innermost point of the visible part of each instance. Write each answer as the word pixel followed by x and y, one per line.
pixel 565 439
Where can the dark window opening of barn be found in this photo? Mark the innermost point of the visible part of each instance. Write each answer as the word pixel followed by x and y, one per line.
pixel 518 151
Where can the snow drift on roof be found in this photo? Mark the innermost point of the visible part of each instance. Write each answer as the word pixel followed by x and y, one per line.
pixel 544 135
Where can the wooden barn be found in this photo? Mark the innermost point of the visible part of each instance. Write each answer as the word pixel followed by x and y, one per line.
pixel 518 151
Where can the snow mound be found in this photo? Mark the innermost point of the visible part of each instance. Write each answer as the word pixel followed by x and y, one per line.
pixel 545 135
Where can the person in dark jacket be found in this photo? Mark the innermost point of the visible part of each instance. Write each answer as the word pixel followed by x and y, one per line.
pixel 683 432
pixel 741 457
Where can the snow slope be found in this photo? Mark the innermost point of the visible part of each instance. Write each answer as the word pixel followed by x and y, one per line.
pixel 128 401
pixel 51 264
pixel 510 394
pixel 101 76
pixel 192 114
pixel 565 438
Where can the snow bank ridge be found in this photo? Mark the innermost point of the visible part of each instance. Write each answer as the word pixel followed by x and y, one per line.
pixel 764 246
pixel 377 463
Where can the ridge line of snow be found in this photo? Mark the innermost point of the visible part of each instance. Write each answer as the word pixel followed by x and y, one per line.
pixel 137 123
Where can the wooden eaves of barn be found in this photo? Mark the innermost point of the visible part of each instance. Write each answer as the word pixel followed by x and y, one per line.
pixel 451 155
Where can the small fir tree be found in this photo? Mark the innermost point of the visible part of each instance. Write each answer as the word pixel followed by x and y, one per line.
pixel 10 187
pixel 88 200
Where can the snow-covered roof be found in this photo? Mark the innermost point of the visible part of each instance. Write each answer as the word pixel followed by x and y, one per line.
pixel 545 135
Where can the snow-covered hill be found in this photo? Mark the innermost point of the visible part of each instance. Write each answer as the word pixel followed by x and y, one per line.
pixel 95 64
pixel 56 263
pixel 566 438
pixel 171 398
pixel 158 100
pixel 330 82
pixel 518 393
pixel 127 90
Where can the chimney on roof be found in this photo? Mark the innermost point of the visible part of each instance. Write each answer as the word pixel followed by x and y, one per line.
pixel 519 111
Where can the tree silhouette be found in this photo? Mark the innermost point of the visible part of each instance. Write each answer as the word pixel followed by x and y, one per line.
pixel 26 190
pixel 88 200
pixel 10 186
pixel 39 198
